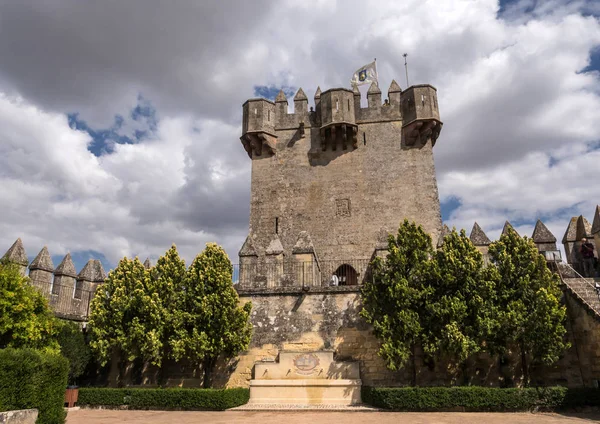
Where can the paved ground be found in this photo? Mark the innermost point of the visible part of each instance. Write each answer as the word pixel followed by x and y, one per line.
pixel 98 416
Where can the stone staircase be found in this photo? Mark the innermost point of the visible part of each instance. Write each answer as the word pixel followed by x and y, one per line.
pixel 582 289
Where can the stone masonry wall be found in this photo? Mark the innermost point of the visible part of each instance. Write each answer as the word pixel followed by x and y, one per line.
pixel 342 198
pixel 329 319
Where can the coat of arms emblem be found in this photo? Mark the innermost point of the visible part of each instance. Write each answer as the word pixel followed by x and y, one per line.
pixel 305 363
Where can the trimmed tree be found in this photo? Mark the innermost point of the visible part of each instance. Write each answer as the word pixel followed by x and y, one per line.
pixel 26 320
pixel 73 347
pixel 126 315
pixel 460 302
pixel 169 276
pixel 208 321
pixel 393 299
pixel 529 313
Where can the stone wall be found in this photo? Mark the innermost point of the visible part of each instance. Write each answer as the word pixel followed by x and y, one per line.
pixel 21 416
pixel 584 332
pixel 328 318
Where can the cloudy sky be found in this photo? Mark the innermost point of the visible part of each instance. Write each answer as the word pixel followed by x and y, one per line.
pixel 120 120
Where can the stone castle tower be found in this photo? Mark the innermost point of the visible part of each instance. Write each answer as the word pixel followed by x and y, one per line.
pixel 329 183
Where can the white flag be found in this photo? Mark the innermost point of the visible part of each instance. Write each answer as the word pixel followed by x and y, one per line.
pixel 365 75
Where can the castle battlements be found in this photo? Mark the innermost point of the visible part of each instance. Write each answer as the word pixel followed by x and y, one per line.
pixel 68 292
pixel 337 114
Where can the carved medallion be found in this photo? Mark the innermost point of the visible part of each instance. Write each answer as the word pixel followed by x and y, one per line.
pixel 306 363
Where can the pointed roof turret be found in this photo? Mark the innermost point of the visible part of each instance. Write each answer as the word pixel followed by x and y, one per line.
pixel 16 253
pixel 394 87
pixel 147 263
pixel 478 236
pixel 571 233
pixel 584 228
pixel 248 247
pixel 275 247
pixel 444 233
pixel 374 89
pixel 304 244
pixel 66 267
pixel 596 224
pixel 42 261
pixel 300 95
pixel 318 93
pixel 541 233
pixel 280 97
pixel 507 226
pixel 93 271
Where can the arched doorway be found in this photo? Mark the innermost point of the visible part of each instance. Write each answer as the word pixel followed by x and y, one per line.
pixel 347 275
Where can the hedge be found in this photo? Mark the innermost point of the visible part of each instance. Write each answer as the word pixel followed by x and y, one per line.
pixel 181 399
pixel 34 379
pixel 479 398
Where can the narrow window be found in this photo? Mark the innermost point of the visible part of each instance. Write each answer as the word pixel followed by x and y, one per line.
pixel 337 104
pixel 364 139
pixel 255 111
pixel 422 100
pixel 348 105
pixel 277 225
pixel 268 115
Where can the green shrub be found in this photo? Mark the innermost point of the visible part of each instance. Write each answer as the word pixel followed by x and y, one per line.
pixel 479 398
pixel 74 348
pixel 33 379
pixel 186 399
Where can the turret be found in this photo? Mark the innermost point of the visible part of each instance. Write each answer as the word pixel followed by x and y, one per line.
pixel 394 94
pixel 16 255
pixel 545 242
pixel 90 277
pixel 248 262
pixel 258 127
pixel 421 117
pixel 64 279
pixel 596 229
pixel 508 226
pixel 40 271
pixel 338 122
pixel 480 240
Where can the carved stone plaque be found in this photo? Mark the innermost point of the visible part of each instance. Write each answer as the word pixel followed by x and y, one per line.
pixel 306 363
pixel 342 207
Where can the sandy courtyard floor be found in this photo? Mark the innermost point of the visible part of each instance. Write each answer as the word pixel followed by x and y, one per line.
pixel 98 416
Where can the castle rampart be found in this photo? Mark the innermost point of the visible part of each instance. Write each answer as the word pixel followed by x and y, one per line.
pixel 69 293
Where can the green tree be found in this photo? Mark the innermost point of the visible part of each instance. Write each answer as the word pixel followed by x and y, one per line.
pixel 459 308
pixel 26 320
pixel 126 315
pixel 530 315
pixel 169 276
pixel 73 347
pixel 393 299
pixel 208 321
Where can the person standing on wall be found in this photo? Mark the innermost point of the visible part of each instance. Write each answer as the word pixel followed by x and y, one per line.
pixel 587 253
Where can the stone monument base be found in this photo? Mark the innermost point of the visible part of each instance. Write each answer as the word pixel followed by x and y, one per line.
pixel 306 378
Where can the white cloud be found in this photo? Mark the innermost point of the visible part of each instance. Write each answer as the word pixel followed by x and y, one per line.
pixel 512 95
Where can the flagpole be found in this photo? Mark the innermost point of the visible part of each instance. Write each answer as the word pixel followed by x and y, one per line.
pixel 406 68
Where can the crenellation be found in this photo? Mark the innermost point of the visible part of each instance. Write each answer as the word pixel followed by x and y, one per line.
pixel 16 254
pixel 41 271
pixel 68 293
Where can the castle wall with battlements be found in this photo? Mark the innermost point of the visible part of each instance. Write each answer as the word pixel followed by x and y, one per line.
pixel 68 292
